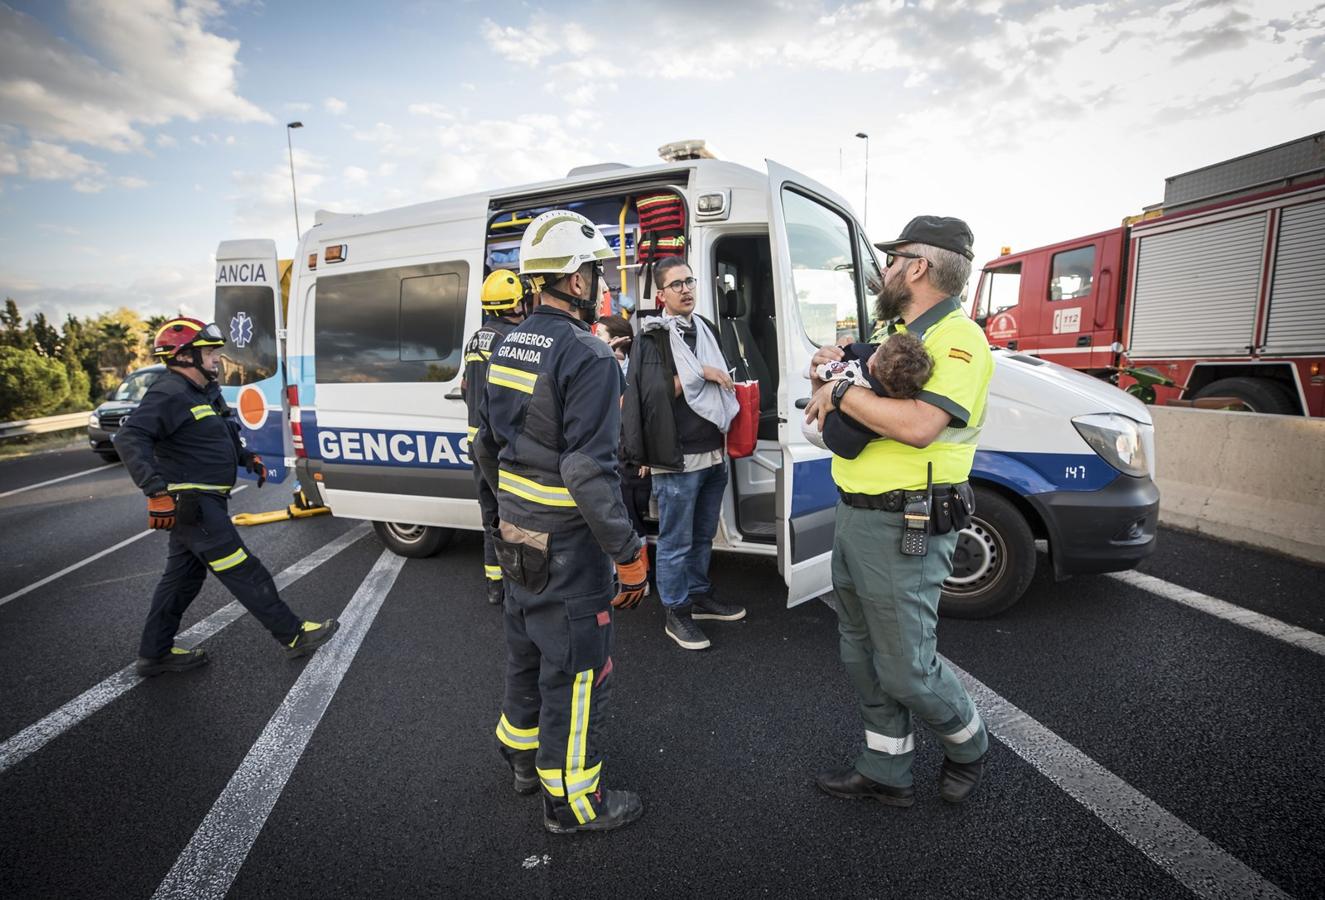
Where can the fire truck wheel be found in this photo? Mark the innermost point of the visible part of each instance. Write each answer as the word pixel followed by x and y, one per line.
pixel 413 541
pixel 1259 395
pixel 993 563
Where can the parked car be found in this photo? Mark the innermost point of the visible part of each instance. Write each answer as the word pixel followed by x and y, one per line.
pixel 107 418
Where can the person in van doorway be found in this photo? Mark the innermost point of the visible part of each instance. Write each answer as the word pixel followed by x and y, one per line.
pixel 549 426
pixel 904 497
pixel 679 404
pixel 504 306
pixel 181 447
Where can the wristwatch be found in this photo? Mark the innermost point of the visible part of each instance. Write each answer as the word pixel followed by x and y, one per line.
pixel 839 391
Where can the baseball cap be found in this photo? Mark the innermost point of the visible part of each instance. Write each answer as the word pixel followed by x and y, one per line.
pixel 937 231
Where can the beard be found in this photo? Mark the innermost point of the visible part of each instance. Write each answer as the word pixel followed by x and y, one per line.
pixel 893 301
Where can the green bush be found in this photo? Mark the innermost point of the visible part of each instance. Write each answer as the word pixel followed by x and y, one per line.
pixel 31 386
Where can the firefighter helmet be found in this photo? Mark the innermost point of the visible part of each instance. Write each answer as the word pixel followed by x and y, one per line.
pixel 560 241
pixel 502 292
pixel 182 334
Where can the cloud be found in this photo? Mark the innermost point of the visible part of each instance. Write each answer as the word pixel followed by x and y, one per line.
pixel 334 106
pixel 186 288
pixel 298 107
pixel 165 140
pixel 131 182
pixel 43 161
pixel 431 110
pixel 58 229
pixel 580 76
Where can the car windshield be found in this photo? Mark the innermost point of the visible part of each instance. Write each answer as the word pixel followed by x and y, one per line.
pixel 135 386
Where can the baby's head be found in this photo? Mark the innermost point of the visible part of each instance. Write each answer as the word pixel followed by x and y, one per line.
pixel 902 365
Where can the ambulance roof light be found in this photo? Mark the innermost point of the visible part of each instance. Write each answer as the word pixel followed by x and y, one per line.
pixel 681 150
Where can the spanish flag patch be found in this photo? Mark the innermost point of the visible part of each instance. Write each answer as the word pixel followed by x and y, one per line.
pixel 957 353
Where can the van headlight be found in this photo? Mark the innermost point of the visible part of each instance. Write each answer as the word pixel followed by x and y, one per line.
pixel 1117 439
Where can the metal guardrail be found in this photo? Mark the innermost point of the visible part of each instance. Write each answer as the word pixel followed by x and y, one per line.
pixel 66 422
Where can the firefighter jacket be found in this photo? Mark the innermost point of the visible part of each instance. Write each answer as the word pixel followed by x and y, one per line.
pixel 549 427
pixel 477 354
pixel 182 437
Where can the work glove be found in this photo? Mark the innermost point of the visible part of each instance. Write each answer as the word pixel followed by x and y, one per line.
pixel 634 578
pixel 256 466
pixel 161 511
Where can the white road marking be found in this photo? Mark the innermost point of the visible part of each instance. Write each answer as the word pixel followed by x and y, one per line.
pixel 1187 856
pixel 91 559
pixel 1221 609
pixel 39 734
pixel 33 487
pixel 212 859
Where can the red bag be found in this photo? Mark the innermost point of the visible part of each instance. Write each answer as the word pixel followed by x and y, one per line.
pixel 744 430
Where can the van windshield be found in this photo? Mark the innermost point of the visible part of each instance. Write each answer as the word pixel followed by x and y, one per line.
pixel 246 315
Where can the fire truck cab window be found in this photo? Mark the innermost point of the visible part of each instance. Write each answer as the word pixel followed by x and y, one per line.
pixel 1071 274
pixel 999 290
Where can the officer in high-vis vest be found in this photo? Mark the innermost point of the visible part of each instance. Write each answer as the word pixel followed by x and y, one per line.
pixel 549 427
pixel 181 447
pixel 504 306
pixel 904 498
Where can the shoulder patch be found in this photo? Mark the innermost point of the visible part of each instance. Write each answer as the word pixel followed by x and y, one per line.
pixel 958 353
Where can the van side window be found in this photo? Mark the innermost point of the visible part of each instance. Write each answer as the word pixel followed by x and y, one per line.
pixel 391 325
pixel 822 268
pixel 1071 273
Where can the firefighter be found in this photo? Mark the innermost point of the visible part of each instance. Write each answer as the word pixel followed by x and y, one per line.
pixel 549 426
pixel 181 447
pixel 505 306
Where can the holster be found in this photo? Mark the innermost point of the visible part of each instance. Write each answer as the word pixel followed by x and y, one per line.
pixel 522 555
pixel 952 507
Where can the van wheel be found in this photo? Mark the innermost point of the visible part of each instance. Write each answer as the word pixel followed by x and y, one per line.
pixel 1259 395
pixel 994 561
pixel 413 541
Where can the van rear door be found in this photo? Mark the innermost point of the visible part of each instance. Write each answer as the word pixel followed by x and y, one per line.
pixel 250 311
pixel 821 266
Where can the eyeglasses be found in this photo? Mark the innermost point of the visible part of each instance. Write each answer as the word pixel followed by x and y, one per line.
pixel 891 258
pixel 681 283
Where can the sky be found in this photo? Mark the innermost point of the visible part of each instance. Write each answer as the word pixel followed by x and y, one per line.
pixel 135 135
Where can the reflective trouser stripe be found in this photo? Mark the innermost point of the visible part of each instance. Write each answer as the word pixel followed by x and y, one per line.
pixel 546 495
pixel 577 741
pixel 891 745
pixel 492 572
pixel 472 431
pixel 228 562
pixel 516 738
pixel 966 732
pixel 191 486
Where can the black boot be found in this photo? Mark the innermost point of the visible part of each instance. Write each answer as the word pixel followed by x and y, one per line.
pixel 177 660
pixel 311 636
pixel 851 785
pixel 617 808
pixel 957 781
pixel 523 768
pixel 496 593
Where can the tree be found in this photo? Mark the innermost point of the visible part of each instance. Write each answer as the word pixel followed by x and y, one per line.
pixel 31 385
pixel 12 323
pixel 42 336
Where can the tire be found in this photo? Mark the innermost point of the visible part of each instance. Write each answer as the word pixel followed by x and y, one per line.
pixel 994 561
pixel 413 541
pixel 109 456
pixel 1260 395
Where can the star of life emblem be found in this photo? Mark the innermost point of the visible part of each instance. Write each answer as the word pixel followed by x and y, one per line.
pixel 241 330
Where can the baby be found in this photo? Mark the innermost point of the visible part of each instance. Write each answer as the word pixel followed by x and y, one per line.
pixel 899 367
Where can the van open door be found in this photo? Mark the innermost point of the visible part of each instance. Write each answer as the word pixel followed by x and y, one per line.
pixel 250 311
pixel 818 250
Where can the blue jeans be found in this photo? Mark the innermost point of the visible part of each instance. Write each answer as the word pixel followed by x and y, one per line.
pixel 688 508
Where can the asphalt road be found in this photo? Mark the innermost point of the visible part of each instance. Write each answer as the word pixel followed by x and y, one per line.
pixel 1142 748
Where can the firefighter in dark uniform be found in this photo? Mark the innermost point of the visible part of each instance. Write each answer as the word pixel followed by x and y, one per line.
pixel 549 427
pixel 504 307
pixel 181 446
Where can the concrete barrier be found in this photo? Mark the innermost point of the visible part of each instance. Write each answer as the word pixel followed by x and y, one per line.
pixel 1254 479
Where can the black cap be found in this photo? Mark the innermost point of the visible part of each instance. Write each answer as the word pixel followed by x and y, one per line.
pixel 937 231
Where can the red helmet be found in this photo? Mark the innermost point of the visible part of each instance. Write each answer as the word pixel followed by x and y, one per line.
pixel 183 333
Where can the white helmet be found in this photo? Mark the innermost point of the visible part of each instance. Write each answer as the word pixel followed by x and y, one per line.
pixel 560 241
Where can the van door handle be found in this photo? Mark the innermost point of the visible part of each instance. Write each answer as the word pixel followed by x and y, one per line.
pixel 455 395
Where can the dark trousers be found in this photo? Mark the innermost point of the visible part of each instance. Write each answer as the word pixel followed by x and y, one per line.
pixel 558 662
pixel 204 538
pixel 487 506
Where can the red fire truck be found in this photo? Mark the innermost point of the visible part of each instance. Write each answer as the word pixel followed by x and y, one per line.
pixel 1218 293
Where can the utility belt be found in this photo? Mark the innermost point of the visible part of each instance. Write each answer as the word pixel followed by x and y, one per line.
pixel 946 507
pixel 522 556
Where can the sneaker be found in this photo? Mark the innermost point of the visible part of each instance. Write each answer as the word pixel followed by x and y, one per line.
pixel 681 628
pixel 706 606
pixel 617 808
pixel 313 635
pixel 957 781
pixel 496 593
pixel 177 660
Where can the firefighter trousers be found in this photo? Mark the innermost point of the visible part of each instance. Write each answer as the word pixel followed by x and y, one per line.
pixel 205 539
pixel 558 663
pixel 487 506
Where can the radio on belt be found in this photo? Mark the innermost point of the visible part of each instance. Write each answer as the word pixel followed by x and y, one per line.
pixel 915 516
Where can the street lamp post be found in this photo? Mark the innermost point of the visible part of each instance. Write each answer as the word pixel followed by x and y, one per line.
pixel 290 126
pixel 866 138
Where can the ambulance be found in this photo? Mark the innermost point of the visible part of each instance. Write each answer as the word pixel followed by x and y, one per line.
pixel 345 368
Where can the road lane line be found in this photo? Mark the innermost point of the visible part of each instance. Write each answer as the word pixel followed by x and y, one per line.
pixel 33 487
pixel 91 559
pixel 1187 856
pixel 39 734
pixel 1221 609
pixel 212 859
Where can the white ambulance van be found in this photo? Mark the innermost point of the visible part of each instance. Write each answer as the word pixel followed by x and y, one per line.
pixel 353 392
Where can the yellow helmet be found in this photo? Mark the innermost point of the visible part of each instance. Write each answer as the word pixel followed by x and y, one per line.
pixel 502 291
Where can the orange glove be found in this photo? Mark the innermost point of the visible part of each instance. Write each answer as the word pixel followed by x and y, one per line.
pixel 258 468
pixel 161 511
pixel 634 578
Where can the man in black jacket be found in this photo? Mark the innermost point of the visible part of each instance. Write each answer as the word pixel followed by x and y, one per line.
pixel 181 447
pixel 679 404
